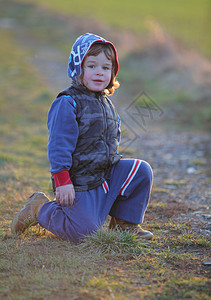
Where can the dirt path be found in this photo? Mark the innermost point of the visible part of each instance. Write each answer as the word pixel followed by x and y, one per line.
pixel 180 157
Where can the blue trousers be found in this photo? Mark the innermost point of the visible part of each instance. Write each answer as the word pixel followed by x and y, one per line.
pixel 125 195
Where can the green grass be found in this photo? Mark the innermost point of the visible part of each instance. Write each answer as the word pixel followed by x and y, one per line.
pixel 115 243
pixel 23 156
pixel 187 20
pixel 108 265
pixel 135 75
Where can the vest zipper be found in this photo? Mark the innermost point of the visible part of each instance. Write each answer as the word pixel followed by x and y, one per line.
pixel 104 114
pixel 105 124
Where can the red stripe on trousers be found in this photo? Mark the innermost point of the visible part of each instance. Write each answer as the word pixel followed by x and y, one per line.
pixel 137 162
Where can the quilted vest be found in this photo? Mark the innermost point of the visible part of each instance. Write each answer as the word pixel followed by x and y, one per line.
pixel 96 147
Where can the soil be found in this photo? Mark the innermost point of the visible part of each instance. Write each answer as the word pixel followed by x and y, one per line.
pixel 178 154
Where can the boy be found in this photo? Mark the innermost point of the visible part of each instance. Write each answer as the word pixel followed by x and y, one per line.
pixel 90 178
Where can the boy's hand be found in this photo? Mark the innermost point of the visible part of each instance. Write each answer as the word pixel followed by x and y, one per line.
pixel 65 194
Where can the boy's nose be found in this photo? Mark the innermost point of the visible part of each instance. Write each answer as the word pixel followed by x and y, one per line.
pixel 99 71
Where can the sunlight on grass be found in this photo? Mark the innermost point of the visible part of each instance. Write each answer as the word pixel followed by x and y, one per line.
pixel 107 263
pixel 112 243
pixel 179 18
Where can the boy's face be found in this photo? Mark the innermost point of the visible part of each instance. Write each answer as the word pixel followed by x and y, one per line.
pixel 97 72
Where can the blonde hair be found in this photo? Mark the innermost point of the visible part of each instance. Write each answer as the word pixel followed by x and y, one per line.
pixel 108 50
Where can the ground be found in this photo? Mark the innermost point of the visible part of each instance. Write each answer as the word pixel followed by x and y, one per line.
pixel 155 68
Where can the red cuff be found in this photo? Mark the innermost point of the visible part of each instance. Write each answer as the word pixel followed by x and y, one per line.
pixel 62 178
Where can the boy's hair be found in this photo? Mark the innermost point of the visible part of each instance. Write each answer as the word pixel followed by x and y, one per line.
pixel 108 50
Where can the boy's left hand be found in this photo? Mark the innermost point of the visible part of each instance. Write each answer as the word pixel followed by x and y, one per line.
pixel 65 194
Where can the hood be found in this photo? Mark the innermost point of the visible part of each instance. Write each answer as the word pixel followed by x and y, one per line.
pixel 79 51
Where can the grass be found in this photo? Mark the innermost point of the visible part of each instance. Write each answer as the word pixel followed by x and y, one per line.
pixel 113 243
pixel 186 20
pixel 134 76
pixel 107 265
pixel 23 157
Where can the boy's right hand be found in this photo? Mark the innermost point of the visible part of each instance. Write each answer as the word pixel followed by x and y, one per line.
pixel 65 194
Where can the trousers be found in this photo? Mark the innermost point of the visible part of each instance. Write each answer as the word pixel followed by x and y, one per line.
pixel 124 195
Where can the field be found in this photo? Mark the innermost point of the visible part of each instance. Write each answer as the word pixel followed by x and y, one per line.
pixel 108 265
pixel 186 20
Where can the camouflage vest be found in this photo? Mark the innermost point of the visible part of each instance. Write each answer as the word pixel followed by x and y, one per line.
pixel 96 147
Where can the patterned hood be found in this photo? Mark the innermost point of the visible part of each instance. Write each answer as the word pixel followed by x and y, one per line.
pixel 79 51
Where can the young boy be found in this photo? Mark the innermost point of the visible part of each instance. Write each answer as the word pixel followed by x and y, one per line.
pixel 90 178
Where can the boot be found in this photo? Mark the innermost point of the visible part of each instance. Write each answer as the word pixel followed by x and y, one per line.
pixel 136 229
pixel 28 216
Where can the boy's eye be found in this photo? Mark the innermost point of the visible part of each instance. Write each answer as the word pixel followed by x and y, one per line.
pixel 91 66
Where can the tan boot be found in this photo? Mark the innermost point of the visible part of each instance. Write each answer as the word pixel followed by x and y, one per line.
pixel 136 229
pixel 28 216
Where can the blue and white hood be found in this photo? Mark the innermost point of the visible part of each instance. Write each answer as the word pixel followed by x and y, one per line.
pixel 79 51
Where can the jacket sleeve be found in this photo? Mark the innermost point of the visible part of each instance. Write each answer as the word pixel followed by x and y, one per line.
pixel 63 135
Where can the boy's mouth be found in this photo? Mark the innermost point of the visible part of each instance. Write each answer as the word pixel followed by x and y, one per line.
pixel 98 81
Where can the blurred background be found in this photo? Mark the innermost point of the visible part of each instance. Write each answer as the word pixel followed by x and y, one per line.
pixel 164 50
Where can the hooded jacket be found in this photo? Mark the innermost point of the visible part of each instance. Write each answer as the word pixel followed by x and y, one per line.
pixel 83 127
pixel 79 51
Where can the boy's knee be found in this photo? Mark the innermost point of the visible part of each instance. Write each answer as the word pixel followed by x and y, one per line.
pixel 147 171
